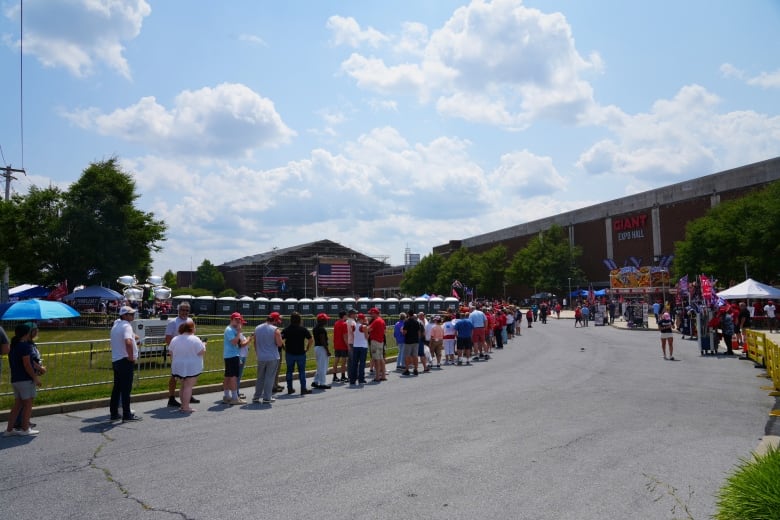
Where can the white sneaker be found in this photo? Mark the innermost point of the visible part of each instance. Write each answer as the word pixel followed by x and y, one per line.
pixel 28 431
pixel 11 433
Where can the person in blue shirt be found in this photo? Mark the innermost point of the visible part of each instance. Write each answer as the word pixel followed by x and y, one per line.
pixel 463 331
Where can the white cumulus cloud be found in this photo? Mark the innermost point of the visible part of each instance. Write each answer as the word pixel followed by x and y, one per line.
pixel 227 120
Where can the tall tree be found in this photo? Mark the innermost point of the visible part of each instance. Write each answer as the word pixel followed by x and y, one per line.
pixel 208 277
pixel 460 265
pixel 733 239
pixel 547 262
pixel 422 277
pixel 103 232
pixel 490 268
pixel 169 279
pixel 31 238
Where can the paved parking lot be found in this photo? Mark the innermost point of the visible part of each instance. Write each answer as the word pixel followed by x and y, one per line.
pixel 563 424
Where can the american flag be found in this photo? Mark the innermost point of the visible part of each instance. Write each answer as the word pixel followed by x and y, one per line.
pixel 334 275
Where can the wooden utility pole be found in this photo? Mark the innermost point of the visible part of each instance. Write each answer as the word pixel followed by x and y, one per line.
pixel 8 175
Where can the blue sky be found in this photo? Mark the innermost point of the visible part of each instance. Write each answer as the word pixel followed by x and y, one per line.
pixel 383 125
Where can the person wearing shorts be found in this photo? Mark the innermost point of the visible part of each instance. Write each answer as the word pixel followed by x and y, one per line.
pixel 376 339
pixel 412 332
pixel 24 380
pixel 667 336
pixel 463 336
pixel 449 340
pixel 233 339
pixel 437 340
pixel 478 337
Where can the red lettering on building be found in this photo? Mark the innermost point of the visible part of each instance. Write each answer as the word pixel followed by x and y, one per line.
pixel 633 222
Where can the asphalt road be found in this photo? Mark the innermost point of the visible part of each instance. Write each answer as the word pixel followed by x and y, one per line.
pixel 562 424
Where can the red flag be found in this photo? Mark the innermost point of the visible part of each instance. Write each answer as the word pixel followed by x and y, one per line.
pixel 59 292
pixel 455 294
pixel 706 288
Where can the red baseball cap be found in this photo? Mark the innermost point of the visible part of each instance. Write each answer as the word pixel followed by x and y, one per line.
pixel 275 316
pixel 361 315
pixel 322 317
pixel 373 310
pixel 237 316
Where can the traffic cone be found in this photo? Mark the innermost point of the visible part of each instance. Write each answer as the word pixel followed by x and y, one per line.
pixel 734 342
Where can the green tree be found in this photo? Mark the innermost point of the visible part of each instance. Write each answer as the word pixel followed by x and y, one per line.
pixel 422 277
pixel 490 268
pixel 733 238
pixel 103 234
pixel 546 263
pixel 31 237
pixel 169 279
pixel 460 265
pixel 208 277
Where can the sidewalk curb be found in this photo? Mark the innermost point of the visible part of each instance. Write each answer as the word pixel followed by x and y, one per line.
pixel 64 408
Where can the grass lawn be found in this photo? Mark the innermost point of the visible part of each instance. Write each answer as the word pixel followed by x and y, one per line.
pixel 79 366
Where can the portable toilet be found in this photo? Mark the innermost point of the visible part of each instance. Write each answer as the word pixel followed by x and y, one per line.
pixel 391 307
pixel 435 305
pixel 306 307
pixel 348 303
pixel 275 305
pixel 319 305
pixel 182 298
pixel 262 306
pixel 363 304
pixel 451 303
pixel 226 305
pixel 334 306
pixel 290 306
pixel 245 305
pixel 406 305
pixel 381 304
pixel 203 305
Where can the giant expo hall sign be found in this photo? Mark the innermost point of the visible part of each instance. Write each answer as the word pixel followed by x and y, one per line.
pixel 629 228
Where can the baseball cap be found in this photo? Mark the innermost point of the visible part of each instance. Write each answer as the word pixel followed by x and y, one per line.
pixel 275 316
pixel 361 315
pixel 373 310
pixel 237 316
pixel 351 311
pixel 322 317
pixel 126 309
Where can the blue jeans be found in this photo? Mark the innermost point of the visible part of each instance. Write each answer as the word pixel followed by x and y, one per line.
pixel 292 361
pixel 357 365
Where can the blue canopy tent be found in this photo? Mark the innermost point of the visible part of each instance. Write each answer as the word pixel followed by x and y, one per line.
pixel 95 291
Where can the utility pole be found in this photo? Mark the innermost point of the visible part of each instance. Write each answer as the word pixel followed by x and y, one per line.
pixel 8 174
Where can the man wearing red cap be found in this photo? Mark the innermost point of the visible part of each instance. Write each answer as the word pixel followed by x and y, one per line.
pixel 340 347
pixel 376 337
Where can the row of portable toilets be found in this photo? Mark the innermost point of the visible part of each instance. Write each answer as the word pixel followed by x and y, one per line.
pixel 209 305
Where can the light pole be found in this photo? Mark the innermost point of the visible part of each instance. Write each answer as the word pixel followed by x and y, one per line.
pixel 569 298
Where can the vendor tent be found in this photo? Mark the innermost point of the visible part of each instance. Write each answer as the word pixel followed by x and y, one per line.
pixel 750 289
pixel 25 291
pixel 94 291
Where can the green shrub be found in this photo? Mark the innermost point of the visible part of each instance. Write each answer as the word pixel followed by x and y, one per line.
pixel 752 492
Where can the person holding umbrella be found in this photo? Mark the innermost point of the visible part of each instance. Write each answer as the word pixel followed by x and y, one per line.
pixel 24 380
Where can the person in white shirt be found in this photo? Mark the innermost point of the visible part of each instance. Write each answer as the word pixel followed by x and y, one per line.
pixel 769 311
pixel 124 353
pixel 187 351
pixel 171 331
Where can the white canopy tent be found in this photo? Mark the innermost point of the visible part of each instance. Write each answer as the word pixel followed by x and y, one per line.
pixel 750 289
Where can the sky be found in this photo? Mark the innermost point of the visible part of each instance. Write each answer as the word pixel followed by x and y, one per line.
pixel 382 126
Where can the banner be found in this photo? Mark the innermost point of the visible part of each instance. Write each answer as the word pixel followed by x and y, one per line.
pixel 274 284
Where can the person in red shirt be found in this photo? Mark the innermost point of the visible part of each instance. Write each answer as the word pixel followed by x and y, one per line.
pixel 376 338
pixel 340 348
